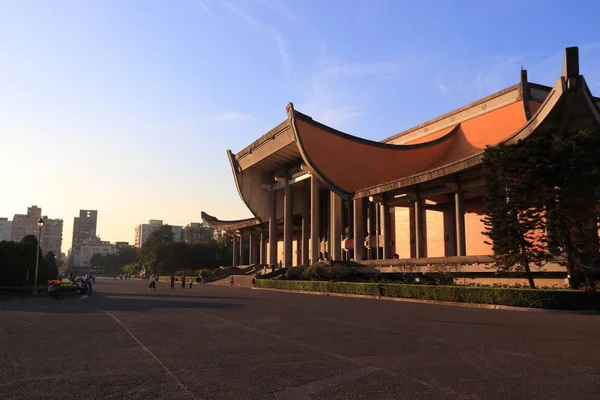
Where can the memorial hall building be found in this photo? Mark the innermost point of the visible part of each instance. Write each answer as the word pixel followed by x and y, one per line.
pixel 318 193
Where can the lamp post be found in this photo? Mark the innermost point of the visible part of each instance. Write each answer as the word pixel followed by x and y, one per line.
pixel 40 223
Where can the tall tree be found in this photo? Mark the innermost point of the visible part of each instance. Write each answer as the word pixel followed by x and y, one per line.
pixel 30 252
pixel 548 183
pixel 514 216
pixel 51 266
pixel 148 256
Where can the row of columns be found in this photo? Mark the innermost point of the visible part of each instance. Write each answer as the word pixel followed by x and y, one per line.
pixel 310 229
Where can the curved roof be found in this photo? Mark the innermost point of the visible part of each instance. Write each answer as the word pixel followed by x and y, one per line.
pixel 232 225
pixel 355 167
pixel 568 101
pixel 359 163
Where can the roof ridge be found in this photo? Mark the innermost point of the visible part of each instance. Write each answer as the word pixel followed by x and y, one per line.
pixel 453 112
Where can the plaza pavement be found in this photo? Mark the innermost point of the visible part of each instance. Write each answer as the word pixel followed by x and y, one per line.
pixel 213 342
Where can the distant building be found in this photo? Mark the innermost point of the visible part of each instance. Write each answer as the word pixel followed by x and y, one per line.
pixel 198 232
pixel 51 237
pixel 84 227
pixel 143 231
pixel 177 233
pixel 5 230
pixel 26 224
pixel 122 245
pixel 82 254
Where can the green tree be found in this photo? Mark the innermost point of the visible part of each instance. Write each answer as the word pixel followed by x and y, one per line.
pixel 97 260
pixel 171 257
pixel 29 254
pixel 573 194
pixel 51 266
pixel 148 254
pixel 549 182
pixel 514 217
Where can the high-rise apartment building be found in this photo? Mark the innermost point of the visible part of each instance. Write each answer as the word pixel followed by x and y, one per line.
pixel 51 237
pixel 5 230
pixel 84 226
pixel 26 224
pixel 143 231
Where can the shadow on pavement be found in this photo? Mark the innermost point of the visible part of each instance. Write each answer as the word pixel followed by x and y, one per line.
pixel 99 302
pixel 176 294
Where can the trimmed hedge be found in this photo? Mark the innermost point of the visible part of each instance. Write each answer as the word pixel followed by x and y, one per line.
pixel 531 298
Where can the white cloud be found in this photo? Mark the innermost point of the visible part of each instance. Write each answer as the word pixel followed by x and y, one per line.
pixel 275 35
pixel 206 9
pixel 230 116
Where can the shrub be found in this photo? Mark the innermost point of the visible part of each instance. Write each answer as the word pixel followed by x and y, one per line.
pixel 532 298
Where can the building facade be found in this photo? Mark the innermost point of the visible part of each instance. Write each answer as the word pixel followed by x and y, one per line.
pixel 318 193
pixel 82 253
pixel 52 236
pixel 143 231
pixel 198 232
pixel 26 224
pixel 84 227
pixel 5 230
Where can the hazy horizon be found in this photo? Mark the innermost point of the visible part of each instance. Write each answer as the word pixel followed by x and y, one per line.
pixel 128 108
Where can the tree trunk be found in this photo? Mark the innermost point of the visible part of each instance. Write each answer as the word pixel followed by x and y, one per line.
pixel 525 264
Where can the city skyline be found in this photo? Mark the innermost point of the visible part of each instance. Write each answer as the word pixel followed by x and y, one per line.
pixel 128 108
pixel 67 237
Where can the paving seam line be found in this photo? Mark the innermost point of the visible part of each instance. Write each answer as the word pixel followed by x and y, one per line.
pixel 181 385
pixel 435 302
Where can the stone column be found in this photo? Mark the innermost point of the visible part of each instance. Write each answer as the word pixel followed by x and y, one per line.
pixel 314 220
pixel 305 223
pixel 377 229
pixel 336 227
pixel 287 226
pixel 459 210
pixel 385 230
pixel 263 253
pixel 359 229
pixel 241 250
pixel 251 249
pixel 273 228
pixel 419 210
pixel 234 249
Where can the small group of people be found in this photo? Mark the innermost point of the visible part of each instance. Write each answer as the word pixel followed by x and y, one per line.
pixel 122 276
pixel 84 285
pixel 190 281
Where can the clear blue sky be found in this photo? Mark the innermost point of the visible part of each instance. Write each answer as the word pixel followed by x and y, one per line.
pixel 129 106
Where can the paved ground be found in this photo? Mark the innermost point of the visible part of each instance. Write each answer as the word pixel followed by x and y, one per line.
pixel 234 343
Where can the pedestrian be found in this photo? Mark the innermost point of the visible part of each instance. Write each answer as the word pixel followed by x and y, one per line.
pixel 89 282
pixel 190 282
pixel 231 280
pixel 172 281
pixel 152 283
pixel 253 282
pixel 183 282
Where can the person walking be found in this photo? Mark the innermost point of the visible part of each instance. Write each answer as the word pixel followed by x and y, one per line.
pixel 231 281
pixel 172 281
pixel 183 282
pixel 152 283
pixel 191 282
